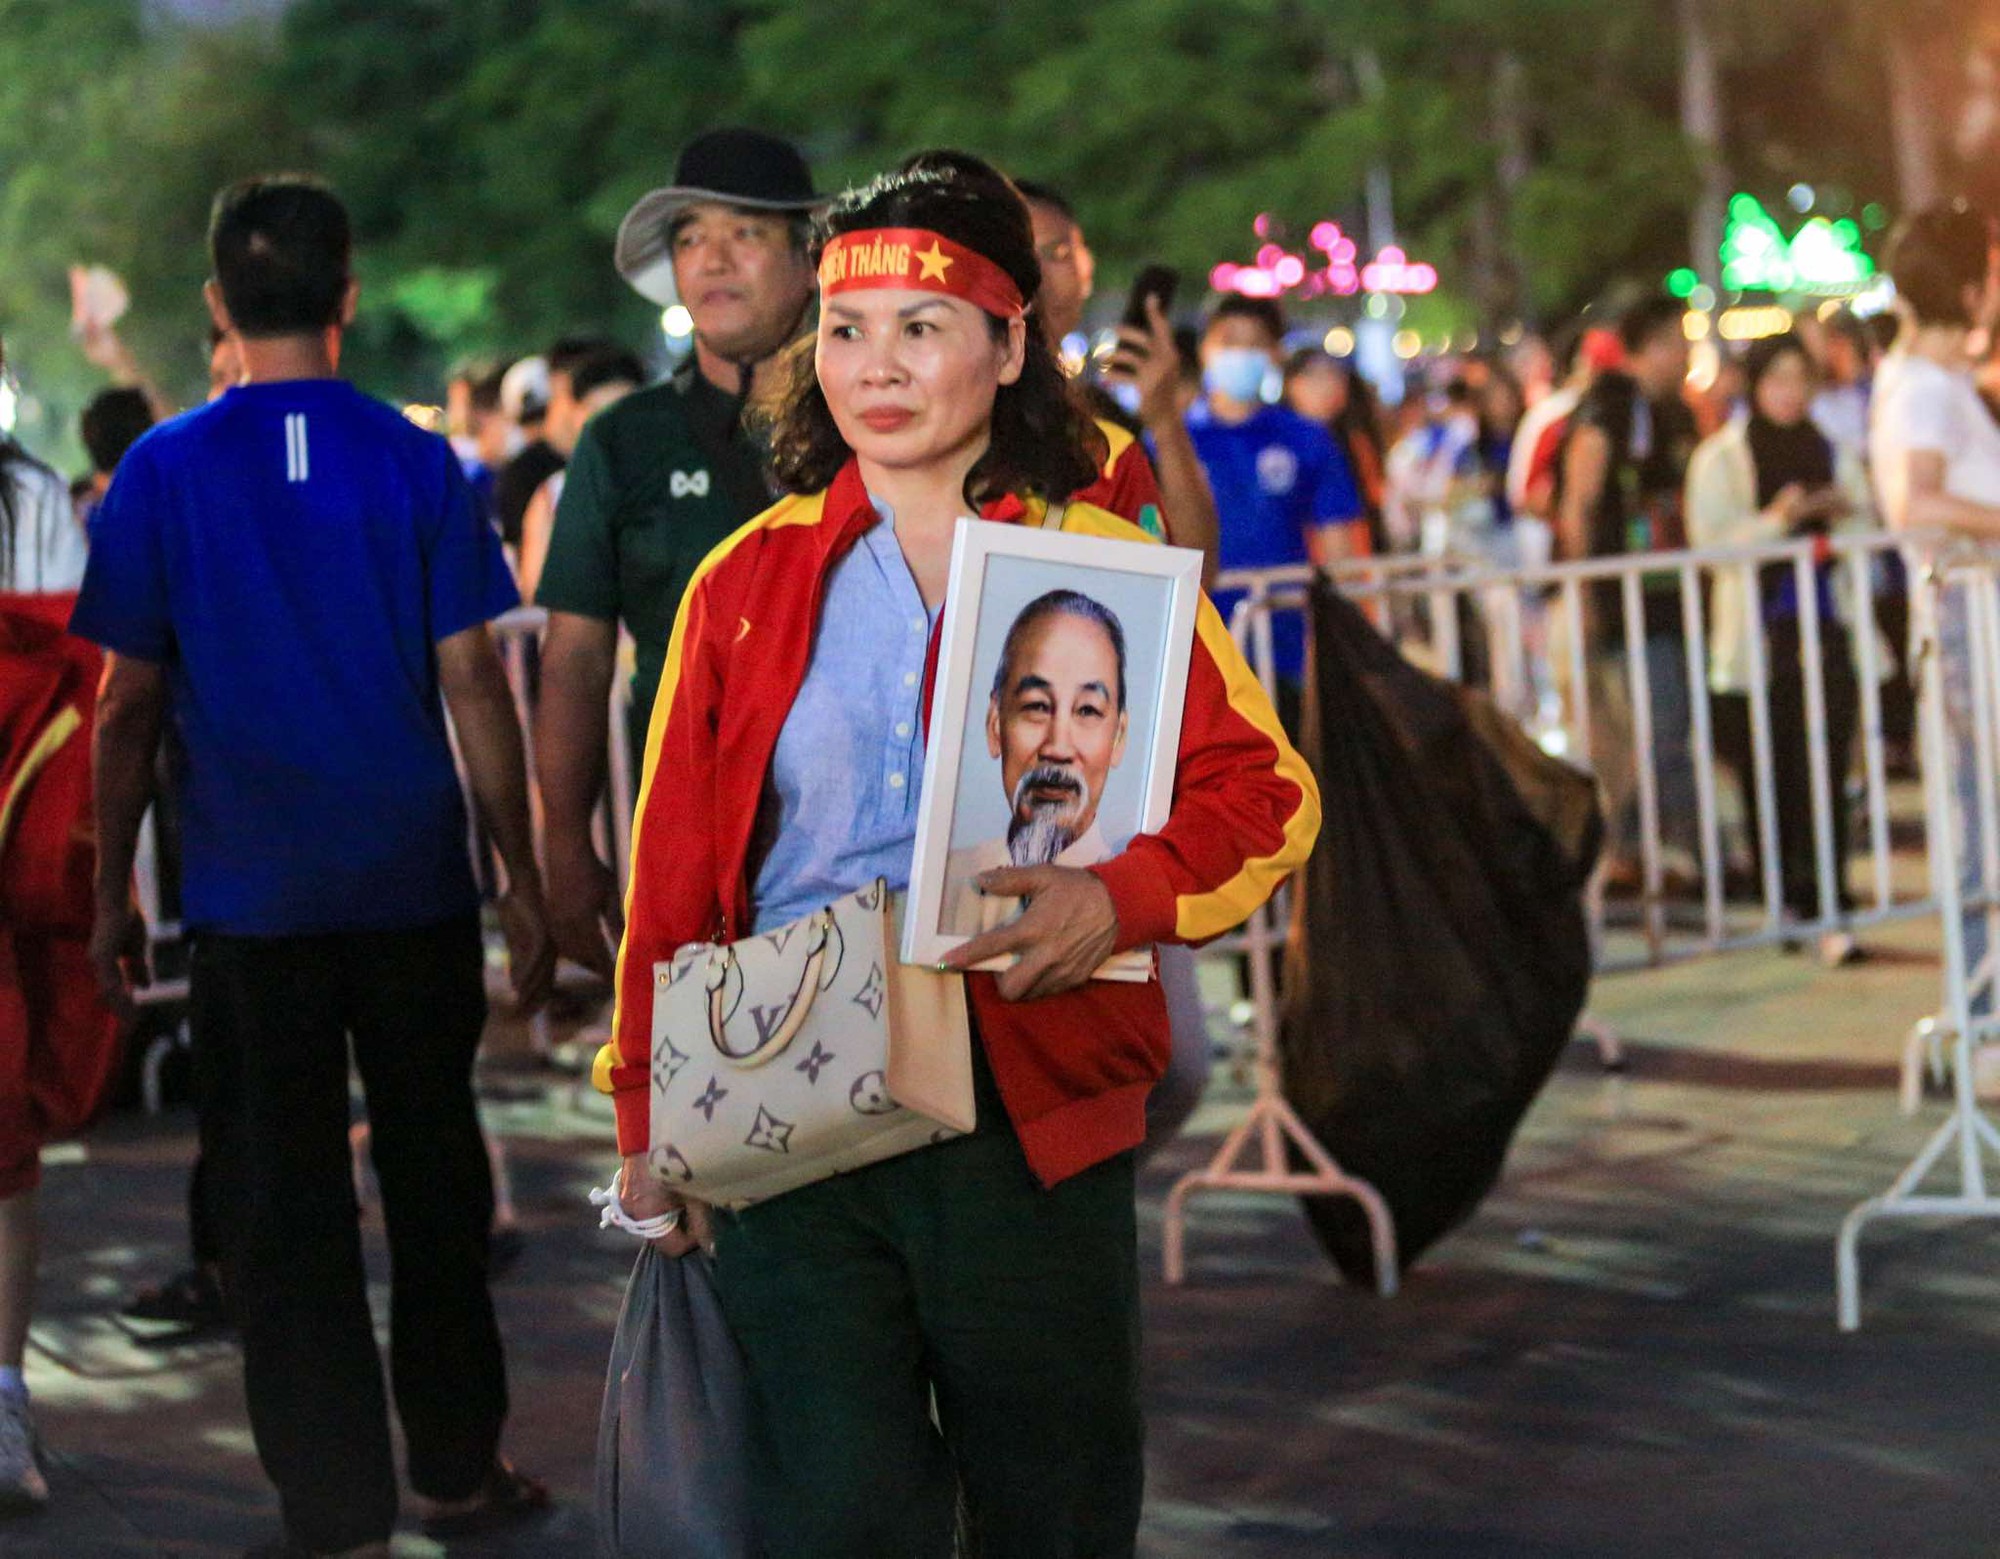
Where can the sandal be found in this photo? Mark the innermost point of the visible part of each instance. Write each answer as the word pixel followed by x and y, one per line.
pixel 506 1497
pixel 190 1299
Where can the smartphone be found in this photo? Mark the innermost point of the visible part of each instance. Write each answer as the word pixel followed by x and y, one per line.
pixel 1155 281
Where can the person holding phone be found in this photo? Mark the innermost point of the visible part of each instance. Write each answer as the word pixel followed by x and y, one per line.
pixel 1151 464
pixel 1766 477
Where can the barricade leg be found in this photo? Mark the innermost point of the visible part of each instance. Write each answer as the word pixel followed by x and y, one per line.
pixel 1966 1140
pixel 1271 1122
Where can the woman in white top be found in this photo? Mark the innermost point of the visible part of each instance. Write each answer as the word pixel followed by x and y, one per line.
pixel 1767 477
pixel 1935 448
pixel 41 545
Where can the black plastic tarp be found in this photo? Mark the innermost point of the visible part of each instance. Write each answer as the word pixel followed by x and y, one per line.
pixel 1439 958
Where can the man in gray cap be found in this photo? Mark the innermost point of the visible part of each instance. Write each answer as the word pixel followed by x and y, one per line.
pixel 658 479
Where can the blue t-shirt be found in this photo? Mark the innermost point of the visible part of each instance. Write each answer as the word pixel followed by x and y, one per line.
pixel 1275 477
pixel 291 554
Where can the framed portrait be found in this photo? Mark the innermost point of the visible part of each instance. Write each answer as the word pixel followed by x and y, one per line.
pixel 1055 719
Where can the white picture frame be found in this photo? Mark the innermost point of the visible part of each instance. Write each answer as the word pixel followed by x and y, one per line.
pixel 1149 595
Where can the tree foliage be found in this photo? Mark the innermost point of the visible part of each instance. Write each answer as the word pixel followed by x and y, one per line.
pixel 488 148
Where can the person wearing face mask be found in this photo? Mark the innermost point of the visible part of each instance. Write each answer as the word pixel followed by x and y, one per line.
pixel 1282 487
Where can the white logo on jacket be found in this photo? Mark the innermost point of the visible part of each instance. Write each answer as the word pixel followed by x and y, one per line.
pixel 684 484
pixel 1277 469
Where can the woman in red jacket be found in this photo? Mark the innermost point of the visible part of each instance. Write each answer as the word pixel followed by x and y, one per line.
pixel 994 1274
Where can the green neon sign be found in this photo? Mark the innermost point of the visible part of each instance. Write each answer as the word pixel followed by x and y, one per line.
pixel 1822 257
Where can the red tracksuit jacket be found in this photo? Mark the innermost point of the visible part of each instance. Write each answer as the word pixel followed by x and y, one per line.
pixel 1074 1070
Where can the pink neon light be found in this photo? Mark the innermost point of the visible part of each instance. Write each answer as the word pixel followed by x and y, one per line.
pixel 1393 272
pixel 1275 271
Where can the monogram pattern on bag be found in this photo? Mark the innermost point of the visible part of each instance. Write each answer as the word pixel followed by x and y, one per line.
pixel 761 1131
pixel 836 953
pixel 770 1133
pixel 870 1095
pixel 871 993
pixel 769 1019
pixel 732 989
pixel 815 1063
pixel 667 1064
pixel 668 1164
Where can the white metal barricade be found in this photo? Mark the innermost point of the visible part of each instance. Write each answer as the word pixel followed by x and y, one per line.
pixel 1544 675
pixel 1564 718
pixel 1958 617
pixel 1517 645
pixel 1271 1123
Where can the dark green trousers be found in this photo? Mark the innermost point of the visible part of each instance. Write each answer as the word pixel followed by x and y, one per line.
pixel 946 1271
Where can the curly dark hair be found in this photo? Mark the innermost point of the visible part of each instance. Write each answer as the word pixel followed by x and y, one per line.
pixel 1043 442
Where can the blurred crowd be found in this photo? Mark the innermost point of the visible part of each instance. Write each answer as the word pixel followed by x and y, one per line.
pixel 608 473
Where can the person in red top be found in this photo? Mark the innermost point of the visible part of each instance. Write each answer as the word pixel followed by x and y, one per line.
pixel 58 1041
pixel 994 1274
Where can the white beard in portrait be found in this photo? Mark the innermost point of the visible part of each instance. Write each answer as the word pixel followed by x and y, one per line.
pixel 1050 804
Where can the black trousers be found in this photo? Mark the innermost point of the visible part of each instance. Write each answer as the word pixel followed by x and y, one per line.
pixel 1791 758
pixel 274 1017
pixel 948 1270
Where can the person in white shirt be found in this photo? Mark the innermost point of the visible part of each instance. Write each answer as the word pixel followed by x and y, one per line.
pixel 42 548
pixel 1935 450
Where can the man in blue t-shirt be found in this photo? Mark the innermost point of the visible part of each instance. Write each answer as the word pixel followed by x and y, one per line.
pixel 1282 487
pixel 300 580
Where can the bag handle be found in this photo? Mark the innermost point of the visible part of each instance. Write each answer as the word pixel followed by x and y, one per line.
pixel 796 1013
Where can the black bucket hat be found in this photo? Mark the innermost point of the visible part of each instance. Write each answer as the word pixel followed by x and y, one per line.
pixel 733 167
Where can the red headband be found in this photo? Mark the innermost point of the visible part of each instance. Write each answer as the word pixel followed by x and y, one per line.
pixel 918 259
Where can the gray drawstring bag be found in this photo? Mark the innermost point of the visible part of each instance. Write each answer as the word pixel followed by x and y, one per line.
pixel 673 1442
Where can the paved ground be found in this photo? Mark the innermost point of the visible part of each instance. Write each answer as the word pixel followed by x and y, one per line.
pixel 1630 1351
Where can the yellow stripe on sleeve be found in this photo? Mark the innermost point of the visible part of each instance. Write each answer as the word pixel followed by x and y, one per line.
pixel 1117 440
pixel 807 510
pixel 55 735
pixel 1200 916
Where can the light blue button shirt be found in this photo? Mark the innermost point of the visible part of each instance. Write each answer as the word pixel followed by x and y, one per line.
pixel 840 804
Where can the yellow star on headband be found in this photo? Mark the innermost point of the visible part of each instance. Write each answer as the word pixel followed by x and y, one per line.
pixel 934 261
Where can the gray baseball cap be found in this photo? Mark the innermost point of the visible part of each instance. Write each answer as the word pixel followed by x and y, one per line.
pixel 735 167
